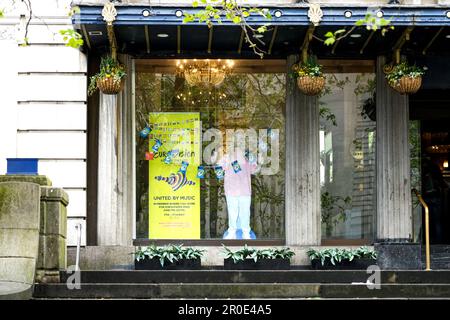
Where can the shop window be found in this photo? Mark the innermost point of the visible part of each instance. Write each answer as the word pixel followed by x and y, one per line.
pixel 213 164
pixel 347 156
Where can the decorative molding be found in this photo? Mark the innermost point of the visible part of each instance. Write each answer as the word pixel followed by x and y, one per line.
pixel 315 14
pixel 109 13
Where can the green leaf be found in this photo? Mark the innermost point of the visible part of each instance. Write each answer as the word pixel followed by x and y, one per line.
pixel 329 34
pixel 339 31
pixel 329 41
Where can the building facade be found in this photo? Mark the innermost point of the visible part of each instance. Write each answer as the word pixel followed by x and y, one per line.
pixel 332 170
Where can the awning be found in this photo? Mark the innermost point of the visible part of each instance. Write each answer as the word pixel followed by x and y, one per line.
pixel 158 31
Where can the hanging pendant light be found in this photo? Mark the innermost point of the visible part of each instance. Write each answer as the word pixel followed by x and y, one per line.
pixel 204 72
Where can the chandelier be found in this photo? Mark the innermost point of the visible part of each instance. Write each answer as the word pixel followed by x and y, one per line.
pixel 204 72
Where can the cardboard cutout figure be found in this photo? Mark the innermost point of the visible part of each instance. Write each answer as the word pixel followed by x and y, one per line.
pixel 238 192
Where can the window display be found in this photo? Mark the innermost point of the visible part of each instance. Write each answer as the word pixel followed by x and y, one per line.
pixel 221 175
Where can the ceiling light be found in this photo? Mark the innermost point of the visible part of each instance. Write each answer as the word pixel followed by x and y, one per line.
pixel 448 36
pixel 179 13
pixel 348 14
pixel 146 13
pixel 380 14
pixel 162 35
pixel 204 72
pixel 448 14
pixel 355 35
pixel 278 13
pixel 95 33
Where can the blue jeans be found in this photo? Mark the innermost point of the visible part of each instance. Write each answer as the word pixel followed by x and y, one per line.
pixel 239 207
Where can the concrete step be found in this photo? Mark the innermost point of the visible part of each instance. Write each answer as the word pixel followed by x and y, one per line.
pixel 239 290
pixel 437 248
pixel 257 276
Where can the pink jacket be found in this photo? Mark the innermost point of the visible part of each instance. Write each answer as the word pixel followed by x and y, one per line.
pixel 240 183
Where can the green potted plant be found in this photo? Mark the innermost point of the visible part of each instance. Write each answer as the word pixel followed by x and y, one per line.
pixel 405 78
pixel 109 79
pixel 333 210
pixel 342 259
pixel 257 259
pixel 310 78
pixel 171 257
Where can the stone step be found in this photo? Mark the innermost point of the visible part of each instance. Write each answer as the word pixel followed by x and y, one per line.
pixel 257 276
pixel 239 290
pixel 437 249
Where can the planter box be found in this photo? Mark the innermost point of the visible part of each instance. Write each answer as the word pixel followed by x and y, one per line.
pixel 28 166
pixel 356 264
pixel 264 264
pixel 154 264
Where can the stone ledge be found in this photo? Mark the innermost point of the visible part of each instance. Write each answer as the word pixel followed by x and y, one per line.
pixel 40 180
pixel 50 194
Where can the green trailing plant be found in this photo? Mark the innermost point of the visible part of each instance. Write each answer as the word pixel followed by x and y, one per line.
pixel 167 254
pixel 257 254
pixel 215 11
pixel 403 69
pixel 307 69
pixel 338 255
pixel 109 68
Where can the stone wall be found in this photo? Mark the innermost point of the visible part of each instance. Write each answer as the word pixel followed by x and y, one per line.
pixel 19 238
pixel 52 217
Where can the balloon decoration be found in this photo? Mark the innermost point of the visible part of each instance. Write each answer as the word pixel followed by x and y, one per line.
pixel 169 156
pixel 236 166
pixel 145 132
pixel 157 145
pixel 184 165
pixel 176 180
pixel 220 173
pixel 149 155
pixel 201 172
pixel 250 157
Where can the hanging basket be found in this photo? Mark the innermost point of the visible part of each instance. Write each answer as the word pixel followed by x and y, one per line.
pixel 407 85
pixel 110 85
pixel 311 86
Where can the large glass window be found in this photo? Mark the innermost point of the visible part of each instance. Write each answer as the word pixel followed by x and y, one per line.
pixel 214 159
pixel 347 156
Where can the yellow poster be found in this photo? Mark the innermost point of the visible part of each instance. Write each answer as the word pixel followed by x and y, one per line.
pixel 174 193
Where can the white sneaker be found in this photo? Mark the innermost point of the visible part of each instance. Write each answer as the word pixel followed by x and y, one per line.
pixel 230 235
pixel 246 235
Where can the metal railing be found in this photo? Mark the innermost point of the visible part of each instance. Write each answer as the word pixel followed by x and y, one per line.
pixel 427 229
pixel 77 259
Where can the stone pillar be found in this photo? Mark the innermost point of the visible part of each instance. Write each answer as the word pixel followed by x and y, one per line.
pixel 52 254
pixel 302 200
pixel 107 172
pixel 52 236
pixel 394 221
pixel 115 180
pixel 19 238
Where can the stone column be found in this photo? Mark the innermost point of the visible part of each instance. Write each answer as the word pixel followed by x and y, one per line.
pixel 19 238
pixel 302 200
pixel 394 221
pixel 115 181
pixel 107 214
pixel 53 233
